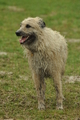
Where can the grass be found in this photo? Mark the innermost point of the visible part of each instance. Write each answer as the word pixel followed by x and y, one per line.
pixel 17 94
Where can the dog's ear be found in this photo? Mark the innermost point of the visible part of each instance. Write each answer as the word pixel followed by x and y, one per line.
pixel 41 22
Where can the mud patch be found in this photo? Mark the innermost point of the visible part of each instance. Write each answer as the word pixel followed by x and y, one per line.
pixel 4 73
pixel 23 77
pixel 16 9
pixel 72 79
pixel 3 53
pixel 73 40
pixel 9 119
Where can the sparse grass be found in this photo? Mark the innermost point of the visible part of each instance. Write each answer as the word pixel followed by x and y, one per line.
pixel 17 95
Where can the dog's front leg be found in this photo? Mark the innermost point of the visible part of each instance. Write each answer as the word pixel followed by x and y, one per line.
pixel 40 88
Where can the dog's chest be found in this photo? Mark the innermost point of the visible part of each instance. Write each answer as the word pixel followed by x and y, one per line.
pixel 38 61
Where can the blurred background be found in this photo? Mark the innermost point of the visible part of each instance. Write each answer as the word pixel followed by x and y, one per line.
pixel 17 93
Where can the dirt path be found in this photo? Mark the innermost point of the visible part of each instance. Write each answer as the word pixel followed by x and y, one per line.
pixel 73 40
pixel 68 79
pixel 3 53
pixel 71 79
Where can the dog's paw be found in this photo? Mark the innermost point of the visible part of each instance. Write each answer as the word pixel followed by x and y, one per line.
pixel 59 107
pixel 41 106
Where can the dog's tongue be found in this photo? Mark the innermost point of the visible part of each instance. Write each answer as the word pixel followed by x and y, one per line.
pixel 22 40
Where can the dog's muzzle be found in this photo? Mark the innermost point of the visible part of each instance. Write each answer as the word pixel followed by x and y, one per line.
pixel 26 38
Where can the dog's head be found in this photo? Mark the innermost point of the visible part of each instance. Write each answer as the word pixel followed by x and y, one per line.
pixel 29 30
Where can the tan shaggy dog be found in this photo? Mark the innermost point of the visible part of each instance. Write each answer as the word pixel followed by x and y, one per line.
pixel 47 53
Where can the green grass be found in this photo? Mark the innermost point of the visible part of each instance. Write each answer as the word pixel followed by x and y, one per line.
pixel 18 96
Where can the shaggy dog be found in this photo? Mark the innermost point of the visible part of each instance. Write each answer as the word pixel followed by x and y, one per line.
pixel 47 53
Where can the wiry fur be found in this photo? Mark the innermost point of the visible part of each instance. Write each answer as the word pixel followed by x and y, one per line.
pixel 47 57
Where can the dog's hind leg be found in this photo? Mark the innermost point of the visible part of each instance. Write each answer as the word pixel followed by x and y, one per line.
pixel 40 88
pixel 58 86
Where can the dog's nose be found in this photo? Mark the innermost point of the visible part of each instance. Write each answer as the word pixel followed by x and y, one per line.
pixel 18 33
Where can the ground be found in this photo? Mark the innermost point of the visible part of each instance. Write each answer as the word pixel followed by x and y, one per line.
pixel 18 96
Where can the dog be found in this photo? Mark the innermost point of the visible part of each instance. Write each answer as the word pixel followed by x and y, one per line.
pixel 47 54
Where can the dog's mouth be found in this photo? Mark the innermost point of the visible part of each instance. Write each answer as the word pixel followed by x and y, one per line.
pixel 24 39
pixel 27 39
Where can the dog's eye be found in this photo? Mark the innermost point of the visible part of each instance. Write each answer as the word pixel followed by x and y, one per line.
pixel 28 26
